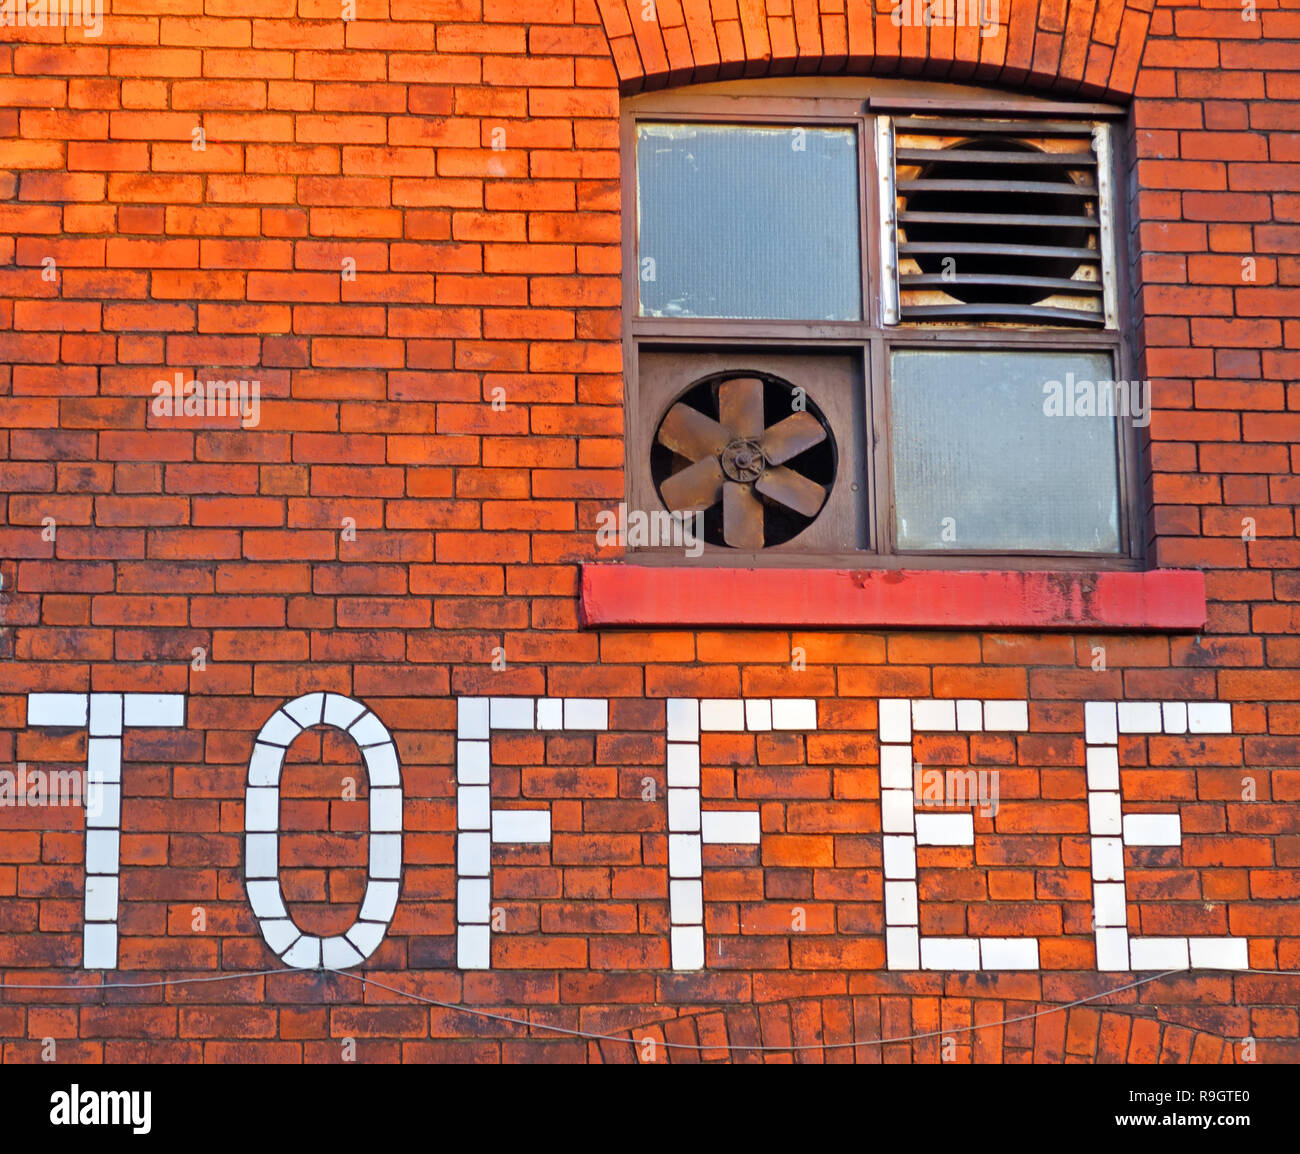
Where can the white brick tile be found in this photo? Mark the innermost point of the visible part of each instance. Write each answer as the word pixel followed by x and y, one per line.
pixel 683 764
pixel 758 715
pixel 341 711
pixel 474 948
pixel 472 718
pixel 280 729
pixel 155 710
pixel 385 810
pixel 385 855
pixel 1140 717
pixel 899 857
pixel 266 900
pixel 366 937
pixel 896 813
pixel 794 713
pixel 931 715
pixel 473 807
pixel 1107 859
pixel 105 715
pixel 945 829
pixel 902 948
pixel 1112 949
pixel 950 954
pixel 473 855
pixel 261 856
pixel 586 713
pixel 102 851
pixel 896 767
pixel 1006 716
pixel 104 759
pixel 381 765
pixel 722 715
pixel 304 954
pixel 99 950
pixel 265 764
pixel 1219 953
pixel 1103 814
pixel 683 719
pixel 1174 714
pixel 512 713
pixel 1158 954
pixel 101 899
pixel 104 805
pixel 1152 829
pixel 1209 717
pixel 731 827
pixel 280 934
pixel 337 953
pixel 57 710
pixel 970 716
pixel 550 713
pixel 261 810
pixel 306 710
pixel 686 902
pixel 1103 767
pixel 684 855
pixel 900 904
pixel 380 902
pixel 1099 723
pixel 895 719
pixel 1109 906
pixel 687 944
pixel 683 810
pixel 1009 953
pixel 473 762
pixel 474 900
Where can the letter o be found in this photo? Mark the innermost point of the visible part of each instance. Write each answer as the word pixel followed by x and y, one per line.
pixel 262 833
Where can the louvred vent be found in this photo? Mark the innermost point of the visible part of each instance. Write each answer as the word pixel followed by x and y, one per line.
pixel 999 221
pixel 752 452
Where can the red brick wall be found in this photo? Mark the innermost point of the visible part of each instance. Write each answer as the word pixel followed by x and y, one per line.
pixel 481 269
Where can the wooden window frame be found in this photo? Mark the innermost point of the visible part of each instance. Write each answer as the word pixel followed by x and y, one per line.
pixel 805 103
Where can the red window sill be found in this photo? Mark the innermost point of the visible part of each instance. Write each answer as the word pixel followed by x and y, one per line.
pixel 641 595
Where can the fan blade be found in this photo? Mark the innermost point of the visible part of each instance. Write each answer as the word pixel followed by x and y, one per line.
pixel 792 490
pixel 791 437
pixel 691 434
pixel 740 408
pixel 699 486
pixel 742 517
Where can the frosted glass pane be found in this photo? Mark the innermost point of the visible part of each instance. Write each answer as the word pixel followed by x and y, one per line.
pixel 979 464
pixel 738 221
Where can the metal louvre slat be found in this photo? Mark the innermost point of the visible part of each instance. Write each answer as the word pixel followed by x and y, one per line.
pixel 919 126
pixel 1039 313
pixel 979 218
pixel 1043 186
pixel 1058 284
pixel 974 156
pixel 941 248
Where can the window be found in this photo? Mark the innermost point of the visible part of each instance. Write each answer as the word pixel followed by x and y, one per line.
pixel 879 328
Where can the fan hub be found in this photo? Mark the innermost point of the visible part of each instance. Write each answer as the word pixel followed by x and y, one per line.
pixel 743 461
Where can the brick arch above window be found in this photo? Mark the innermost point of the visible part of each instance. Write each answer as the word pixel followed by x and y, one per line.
pixel 1085 48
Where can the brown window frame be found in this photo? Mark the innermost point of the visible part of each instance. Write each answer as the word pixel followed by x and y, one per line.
pixel 858 103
